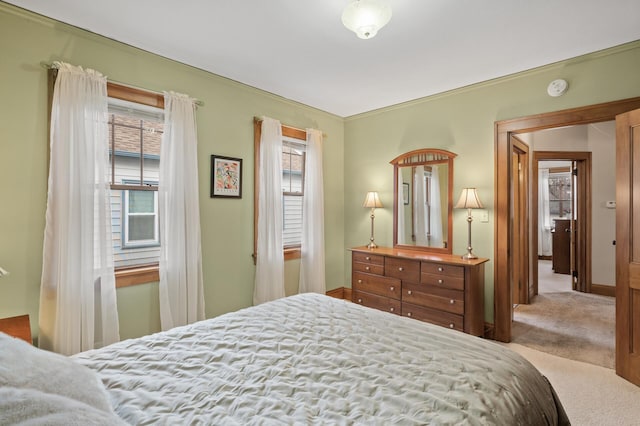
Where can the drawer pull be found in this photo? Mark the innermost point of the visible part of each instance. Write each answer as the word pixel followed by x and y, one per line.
pixel 392 288
pixel 440 281
pixel 400 269
pixel 452 301
pixel 359 300
pixel 391 309
pixel 409 292
pixel 359 281
pixel 451 325
pixel 366 268
pixel 367 258
pixel 408 314
pixel 440 269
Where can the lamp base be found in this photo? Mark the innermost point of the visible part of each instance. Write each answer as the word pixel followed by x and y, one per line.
pixel 469 256
pixel 372 245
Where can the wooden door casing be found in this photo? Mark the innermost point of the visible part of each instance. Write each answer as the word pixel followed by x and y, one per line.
pixel 504 131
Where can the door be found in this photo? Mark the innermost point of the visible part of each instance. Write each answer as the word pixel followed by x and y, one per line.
pixel 628 246
pixel 519 223
pixel 580 198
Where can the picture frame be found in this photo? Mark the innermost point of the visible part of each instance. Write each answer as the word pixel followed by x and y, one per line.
pixel 226 177
pixel 405 194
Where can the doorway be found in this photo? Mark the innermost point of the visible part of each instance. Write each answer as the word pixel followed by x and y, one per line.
pixel 503 258
pixel 563 226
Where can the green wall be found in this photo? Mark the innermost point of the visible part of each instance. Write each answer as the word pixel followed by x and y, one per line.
pixel 356 158
pixel 462 121
pixel 225 126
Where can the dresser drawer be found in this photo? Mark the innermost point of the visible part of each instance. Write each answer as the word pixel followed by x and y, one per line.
pixel 404 269
pixel 368 268
pixel 442 281
pixel 383 286
pixel 376 302
pixel 433 316
pixel 442 269
pixel 432 297
pixel 373 259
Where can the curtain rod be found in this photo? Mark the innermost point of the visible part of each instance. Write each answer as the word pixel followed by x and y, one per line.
pixel 258 119
pixel 52 66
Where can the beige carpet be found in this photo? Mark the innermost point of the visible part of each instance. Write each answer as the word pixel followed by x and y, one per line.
pixel 566 323
pixel 591 395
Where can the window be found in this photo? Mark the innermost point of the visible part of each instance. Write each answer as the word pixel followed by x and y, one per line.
pixel 136 121
pixel 135 133
pixel 140 219
pixel 293 171
pixel 293 156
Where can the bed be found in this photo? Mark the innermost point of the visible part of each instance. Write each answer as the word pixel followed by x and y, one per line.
pixel 310 359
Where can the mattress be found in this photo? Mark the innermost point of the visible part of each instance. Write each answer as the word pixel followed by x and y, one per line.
pixel 312 359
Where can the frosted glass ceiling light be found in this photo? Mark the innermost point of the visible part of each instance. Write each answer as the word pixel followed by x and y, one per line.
pixel 366 17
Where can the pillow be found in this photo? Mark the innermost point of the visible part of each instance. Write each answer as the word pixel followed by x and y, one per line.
pixel 33 407
pixel 23 366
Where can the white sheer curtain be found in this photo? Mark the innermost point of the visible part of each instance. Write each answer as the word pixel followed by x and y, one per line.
pixel 400 213
pixel 77 296
pixel 269 281
pixel 544 215
pixel 312 273
pixel 181 288
pixel 435 209
pixel 420 207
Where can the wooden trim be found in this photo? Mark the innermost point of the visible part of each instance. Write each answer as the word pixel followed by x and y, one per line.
pixel 582 115
pixel 554 170
pixel 131 94
pixel 292 253
pixel 18 327
pixel 603 290
pixel 126 277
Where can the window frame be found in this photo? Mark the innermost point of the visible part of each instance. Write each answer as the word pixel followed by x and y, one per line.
pixel 291 252
pixel 126 244
pixel 139 274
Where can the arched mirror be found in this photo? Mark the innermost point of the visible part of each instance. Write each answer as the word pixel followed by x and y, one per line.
pixel 422 201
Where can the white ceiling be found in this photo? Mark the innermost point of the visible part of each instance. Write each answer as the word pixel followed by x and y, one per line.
pixel 298 49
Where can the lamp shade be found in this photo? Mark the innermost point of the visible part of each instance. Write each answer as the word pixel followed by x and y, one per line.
pixel 469 199
pixel 366 17
pixel 372 200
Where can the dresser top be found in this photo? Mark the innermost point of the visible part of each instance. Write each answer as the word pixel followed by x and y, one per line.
pixel 452 259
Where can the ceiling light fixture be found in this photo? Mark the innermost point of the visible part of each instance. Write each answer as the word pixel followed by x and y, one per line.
pixel 366 17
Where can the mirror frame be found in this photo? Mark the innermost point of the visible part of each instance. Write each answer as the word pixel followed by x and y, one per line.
pixel 426 156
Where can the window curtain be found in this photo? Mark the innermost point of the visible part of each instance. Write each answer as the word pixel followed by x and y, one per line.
pixel 312 273
pixel 78 308
pixel 400 191
pixel 435 208
pixel 544 216
pixel 181 284
pixel 420 207
pixel 269 281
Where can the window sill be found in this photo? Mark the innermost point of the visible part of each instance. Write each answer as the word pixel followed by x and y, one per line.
pixel 127 277
pixel 292 253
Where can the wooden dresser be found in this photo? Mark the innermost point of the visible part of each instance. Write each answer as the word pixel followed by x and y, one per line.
pixel 438 288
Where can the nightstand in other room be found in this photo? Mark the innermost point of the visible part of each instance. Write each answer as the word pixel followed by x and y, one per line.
pixel 19 327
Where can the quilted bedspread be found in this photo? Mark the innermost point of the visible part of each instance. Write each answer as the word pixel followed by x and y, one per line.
pixel 311 359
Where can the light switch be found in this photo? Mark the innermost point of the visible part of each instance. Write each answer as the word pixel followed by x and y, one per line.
pixel 484 216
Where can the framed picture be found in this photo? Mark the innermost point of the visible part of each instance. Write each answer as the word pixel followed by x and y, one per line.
pixel 405 193
pixel 226 177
